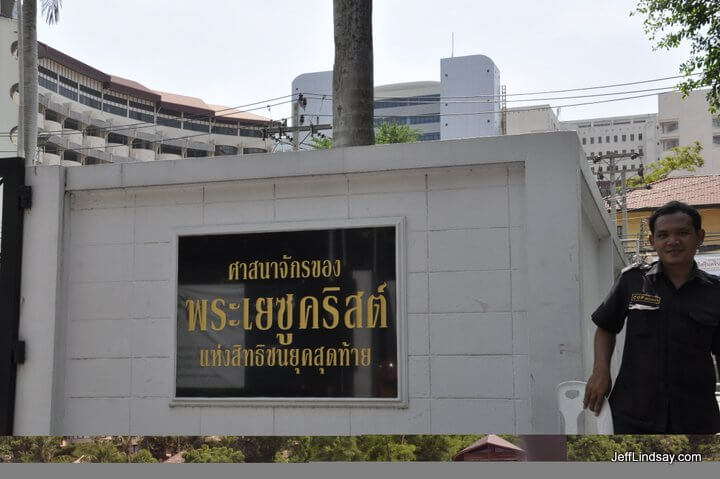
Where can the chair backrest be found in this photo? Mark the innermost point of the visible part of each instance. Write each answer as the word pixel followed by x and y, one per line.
pixel 570 396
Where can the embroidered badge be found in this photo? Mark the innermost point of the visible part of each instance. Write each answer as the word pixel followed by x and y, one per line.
pixel 644 301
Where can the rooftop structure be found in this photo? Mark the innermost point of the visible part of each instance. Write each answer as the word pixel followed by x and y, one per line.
pixel 87 116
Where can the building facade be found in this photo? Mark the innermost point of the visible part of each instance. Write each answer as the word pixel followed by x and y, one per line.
pixel 620 134
pixel 465 103
pixel 89 117
pixel 681 121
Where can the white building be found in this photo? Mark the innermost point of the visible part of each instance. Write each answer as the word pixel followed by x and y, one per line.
pixel 682 121
pixel 465 103
pixel 89 117
pixel 619 134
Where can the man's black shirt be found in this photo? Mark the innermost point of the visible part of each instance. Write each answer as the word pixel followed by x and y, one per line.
pixel 666 382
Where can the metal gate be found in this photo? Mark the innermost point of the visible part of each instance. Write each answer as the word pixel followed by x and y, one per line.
pixel 14 198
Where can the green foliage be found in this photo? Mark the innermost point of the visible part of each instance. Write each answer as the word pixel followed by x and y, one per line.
pixel 600 448
pixel 321 143
pixel 261 448
pixel 395 133
pixel 218 454
pixel 441 447
pixel 99 451
pixel 142 456
pixel 386 448
pixel 669 23
pixel 686 158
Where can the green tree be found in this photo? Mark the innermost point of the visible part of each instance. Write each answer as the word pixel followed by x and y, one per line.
pixel 686 158
pixel 321 143
pixel 219 454
pixel 669 23
pixel 600 448
pixel 99 451
pixel 386 448
pixel 395 133
pixel 142 456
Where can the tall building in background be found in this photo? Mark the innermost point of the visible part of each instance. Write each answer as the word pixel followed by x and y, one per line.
pixel 470 92
pixel 618 134
pixel 681 121
pixel 87 116
pixel 465 103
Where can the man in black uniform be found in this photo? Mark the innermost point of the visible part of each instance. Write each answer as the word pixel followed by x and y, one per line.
pixel 666 382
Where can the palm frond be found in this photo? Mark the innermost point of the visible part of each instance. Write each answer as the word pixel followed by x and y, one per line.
pixel 51 10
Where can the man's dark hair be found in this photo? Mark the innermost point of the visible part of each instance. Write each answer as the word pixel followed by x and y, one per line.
pixel 676 207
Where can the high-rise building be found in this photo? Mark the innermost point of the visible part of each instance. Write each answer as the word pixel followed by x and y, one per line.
pixel 465 103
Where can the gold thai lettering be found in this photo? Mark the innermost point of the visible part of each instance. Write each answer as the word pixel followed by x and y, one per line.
pixel 262 356
pixel 197 313
pixel 264 309
pixel 330 307
pixel 377 308
pixel 354 311
pixel 221 317
pixel 306 310
pixel 287 267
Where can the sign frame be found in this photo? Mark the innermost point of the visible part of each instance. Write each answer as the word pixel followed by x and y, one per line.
pixel 400 401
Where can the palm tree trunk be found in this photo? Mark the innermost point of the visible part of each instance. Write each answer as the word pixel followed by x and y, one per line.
pixel 29 80
pixel 353 73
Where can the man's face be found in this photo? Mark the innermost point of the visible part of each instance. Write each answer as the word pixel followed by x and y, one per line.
pixel 675 239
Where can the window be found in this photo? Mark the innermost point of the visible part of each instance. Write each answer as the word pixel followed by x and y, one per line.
pixel 716 122
pixel 414 120
pixel 247 151
pixel 615 139
pixel 592 140
pixel 640 152
pixel 225 130
pixel 91 101
pixel 624 138
pixel 639 136
pixel 632 136
pixel 139 144
pixel 716 140
pixel 225 150
pixel 624 151
pixel 599 139
pixel 252 133
pixel 430 136
pixel 196 126
pixel 607 139
pixel 667 144
pixel 668 126
pixel 584 142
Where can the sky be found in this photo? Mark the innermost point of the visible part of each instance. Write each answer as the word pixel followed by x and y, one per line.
pixel 238 52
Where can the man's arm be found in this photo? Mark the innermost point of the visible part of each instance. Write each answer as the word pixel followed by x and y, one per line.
pixel 599 383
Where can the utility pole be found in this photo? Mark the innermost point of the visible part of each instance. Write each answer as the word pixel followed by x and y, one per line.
pixel 296 126
pixel 611 157
pixel 623 205
pixel 612 194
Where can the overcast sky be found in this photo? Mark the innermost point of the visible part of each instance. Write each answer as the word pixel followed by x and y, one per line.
pixel 236 52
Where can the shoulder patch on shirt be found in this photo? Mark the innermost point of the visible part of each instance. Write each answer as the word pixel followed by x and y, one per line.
pixel 644 301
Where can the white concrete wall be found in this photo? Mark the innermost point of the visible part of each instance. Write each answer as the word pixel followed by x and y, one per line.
pixel 493 283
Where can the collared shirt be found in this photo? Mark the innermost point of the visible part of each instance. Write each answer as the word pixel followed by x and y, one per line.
pixel 667 380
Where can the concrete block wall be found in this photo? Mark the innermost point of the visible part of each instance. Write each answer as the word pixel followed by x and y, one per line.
pixel 488 335
pixel 464 301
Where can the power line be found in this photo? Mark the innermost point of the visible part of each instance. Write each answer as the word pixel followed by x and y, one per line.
pixel 535 108
pixel 547 92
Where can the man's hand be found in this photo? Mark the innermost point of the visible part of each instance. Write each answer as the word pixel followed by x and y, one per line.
pixel 597 389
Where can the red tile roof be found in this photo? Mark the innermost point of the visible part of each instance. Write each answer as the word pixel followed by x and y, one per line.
pixel 490 440
pixel 693 190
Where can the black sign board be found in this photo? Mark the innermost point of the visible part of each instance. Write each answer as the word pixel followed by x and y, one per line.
pixel 288 314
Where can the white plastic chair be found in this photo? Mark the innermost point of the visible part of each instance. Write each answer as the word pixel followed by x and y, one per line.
pixel 570 396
